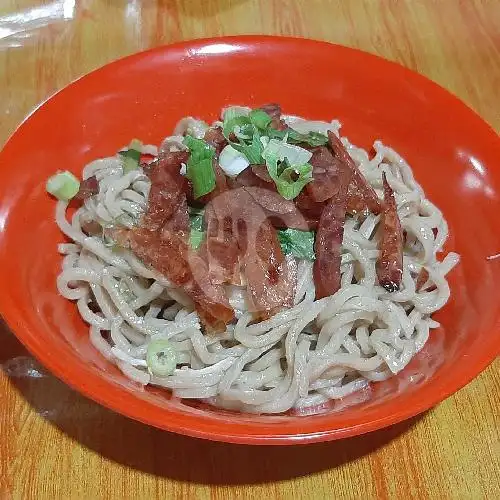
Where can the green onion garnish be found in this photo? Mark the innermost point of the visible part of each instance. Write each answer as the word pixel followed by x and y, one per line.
pixel 200 170
pixel 289 180
pixel 161 358
pixel 311 138
pixel 252 151
pixel 259 118
pixel 245 131
pixel 196 238
pixel 300 244
pixel 294 154
pixel 240 126
pixel 132 157
pixel 196 221
pixel 197 233
pixel 63 185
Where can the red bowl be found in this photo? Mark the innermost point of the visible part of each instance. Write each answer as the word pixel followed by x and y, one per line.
pixel 454 155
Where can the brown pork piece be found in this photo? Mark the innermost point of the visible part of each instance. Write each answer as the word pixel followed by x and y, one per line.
pixel 88 187
pixel 274 111
pixel 362 197
pixel 328 243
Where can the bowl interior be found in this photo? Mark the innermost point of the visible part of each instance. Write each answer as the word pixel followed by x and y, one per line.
pixel 452 152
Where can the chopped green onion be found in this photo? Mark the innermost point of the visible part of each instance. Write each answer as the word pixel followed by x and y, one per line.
pixel 132 157
pixel 249 131
pixel 311 138
pixel 294 154
pixel 252 151
pixel 293 179
pixel 196 222
pixel 196 238
pixel 234 111
pixel 200 150
pixel 239 126
pixel 259 118
pixel 197 233
pixel 202 176
pixel 232 161
pixel 300 244
pixel 161 358
pixel 200 170
pixel 289 180
pixel 63 185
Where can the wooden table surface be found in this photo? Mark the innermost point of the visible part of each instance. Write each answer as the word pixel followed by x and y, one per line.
pixel 56 444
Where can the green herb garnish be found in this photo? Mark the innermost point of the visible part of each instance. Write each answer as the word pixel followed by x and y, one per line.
pixel 294 137
pixel 161 357
pixel 63 185
pixel 289 180
pixel 197 234
pixel 259 118
pixel 200 170
pixel 132 156
pixel 300 244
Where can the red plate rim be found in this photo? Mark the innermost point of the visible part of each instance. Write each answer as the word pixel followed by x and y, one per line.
pixel 233 431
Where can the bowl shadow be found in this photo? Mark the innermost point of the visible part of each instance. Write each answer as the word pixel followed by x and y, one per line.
pixel 164 454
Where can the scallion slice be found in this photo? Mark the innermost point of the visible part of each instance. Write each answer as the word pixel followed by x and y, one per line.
pixel 232 162
pixel 132 157
pixel 200 170
pixel 289 180
pixel 197 233
pixel 294 154
pixel 63 185
pixel 259 118
pixel 161 358
pixel 196 238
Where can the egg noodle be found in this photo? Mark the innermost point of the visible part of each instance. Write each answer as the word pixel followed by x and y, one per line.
pixel 304 356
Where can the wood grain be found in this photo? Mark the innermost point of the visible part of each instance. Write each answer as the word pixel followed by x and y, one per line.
pixel 56 444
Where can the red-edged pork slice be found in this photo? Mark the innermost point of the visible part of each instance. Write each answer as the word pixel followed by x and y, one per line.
pixel 327 247
pixel 274 111
pixel 328 243
pixel 161 242
pixel 210 298
pixel 215 138
pixel 308 206
pixel 171 256
pixel 164 251
pixel 262 173
pixel 221 248
pixel 270 200
pixel 167 194
pixel 270 283
pixel 296 220
pixel 282 213
pixel 325 168
pixel 363 195
pixel 249 178
pixel 88 187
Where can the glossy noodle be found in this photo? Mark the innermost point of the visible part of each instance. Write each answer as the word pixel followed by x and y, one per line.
pixel 300 357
